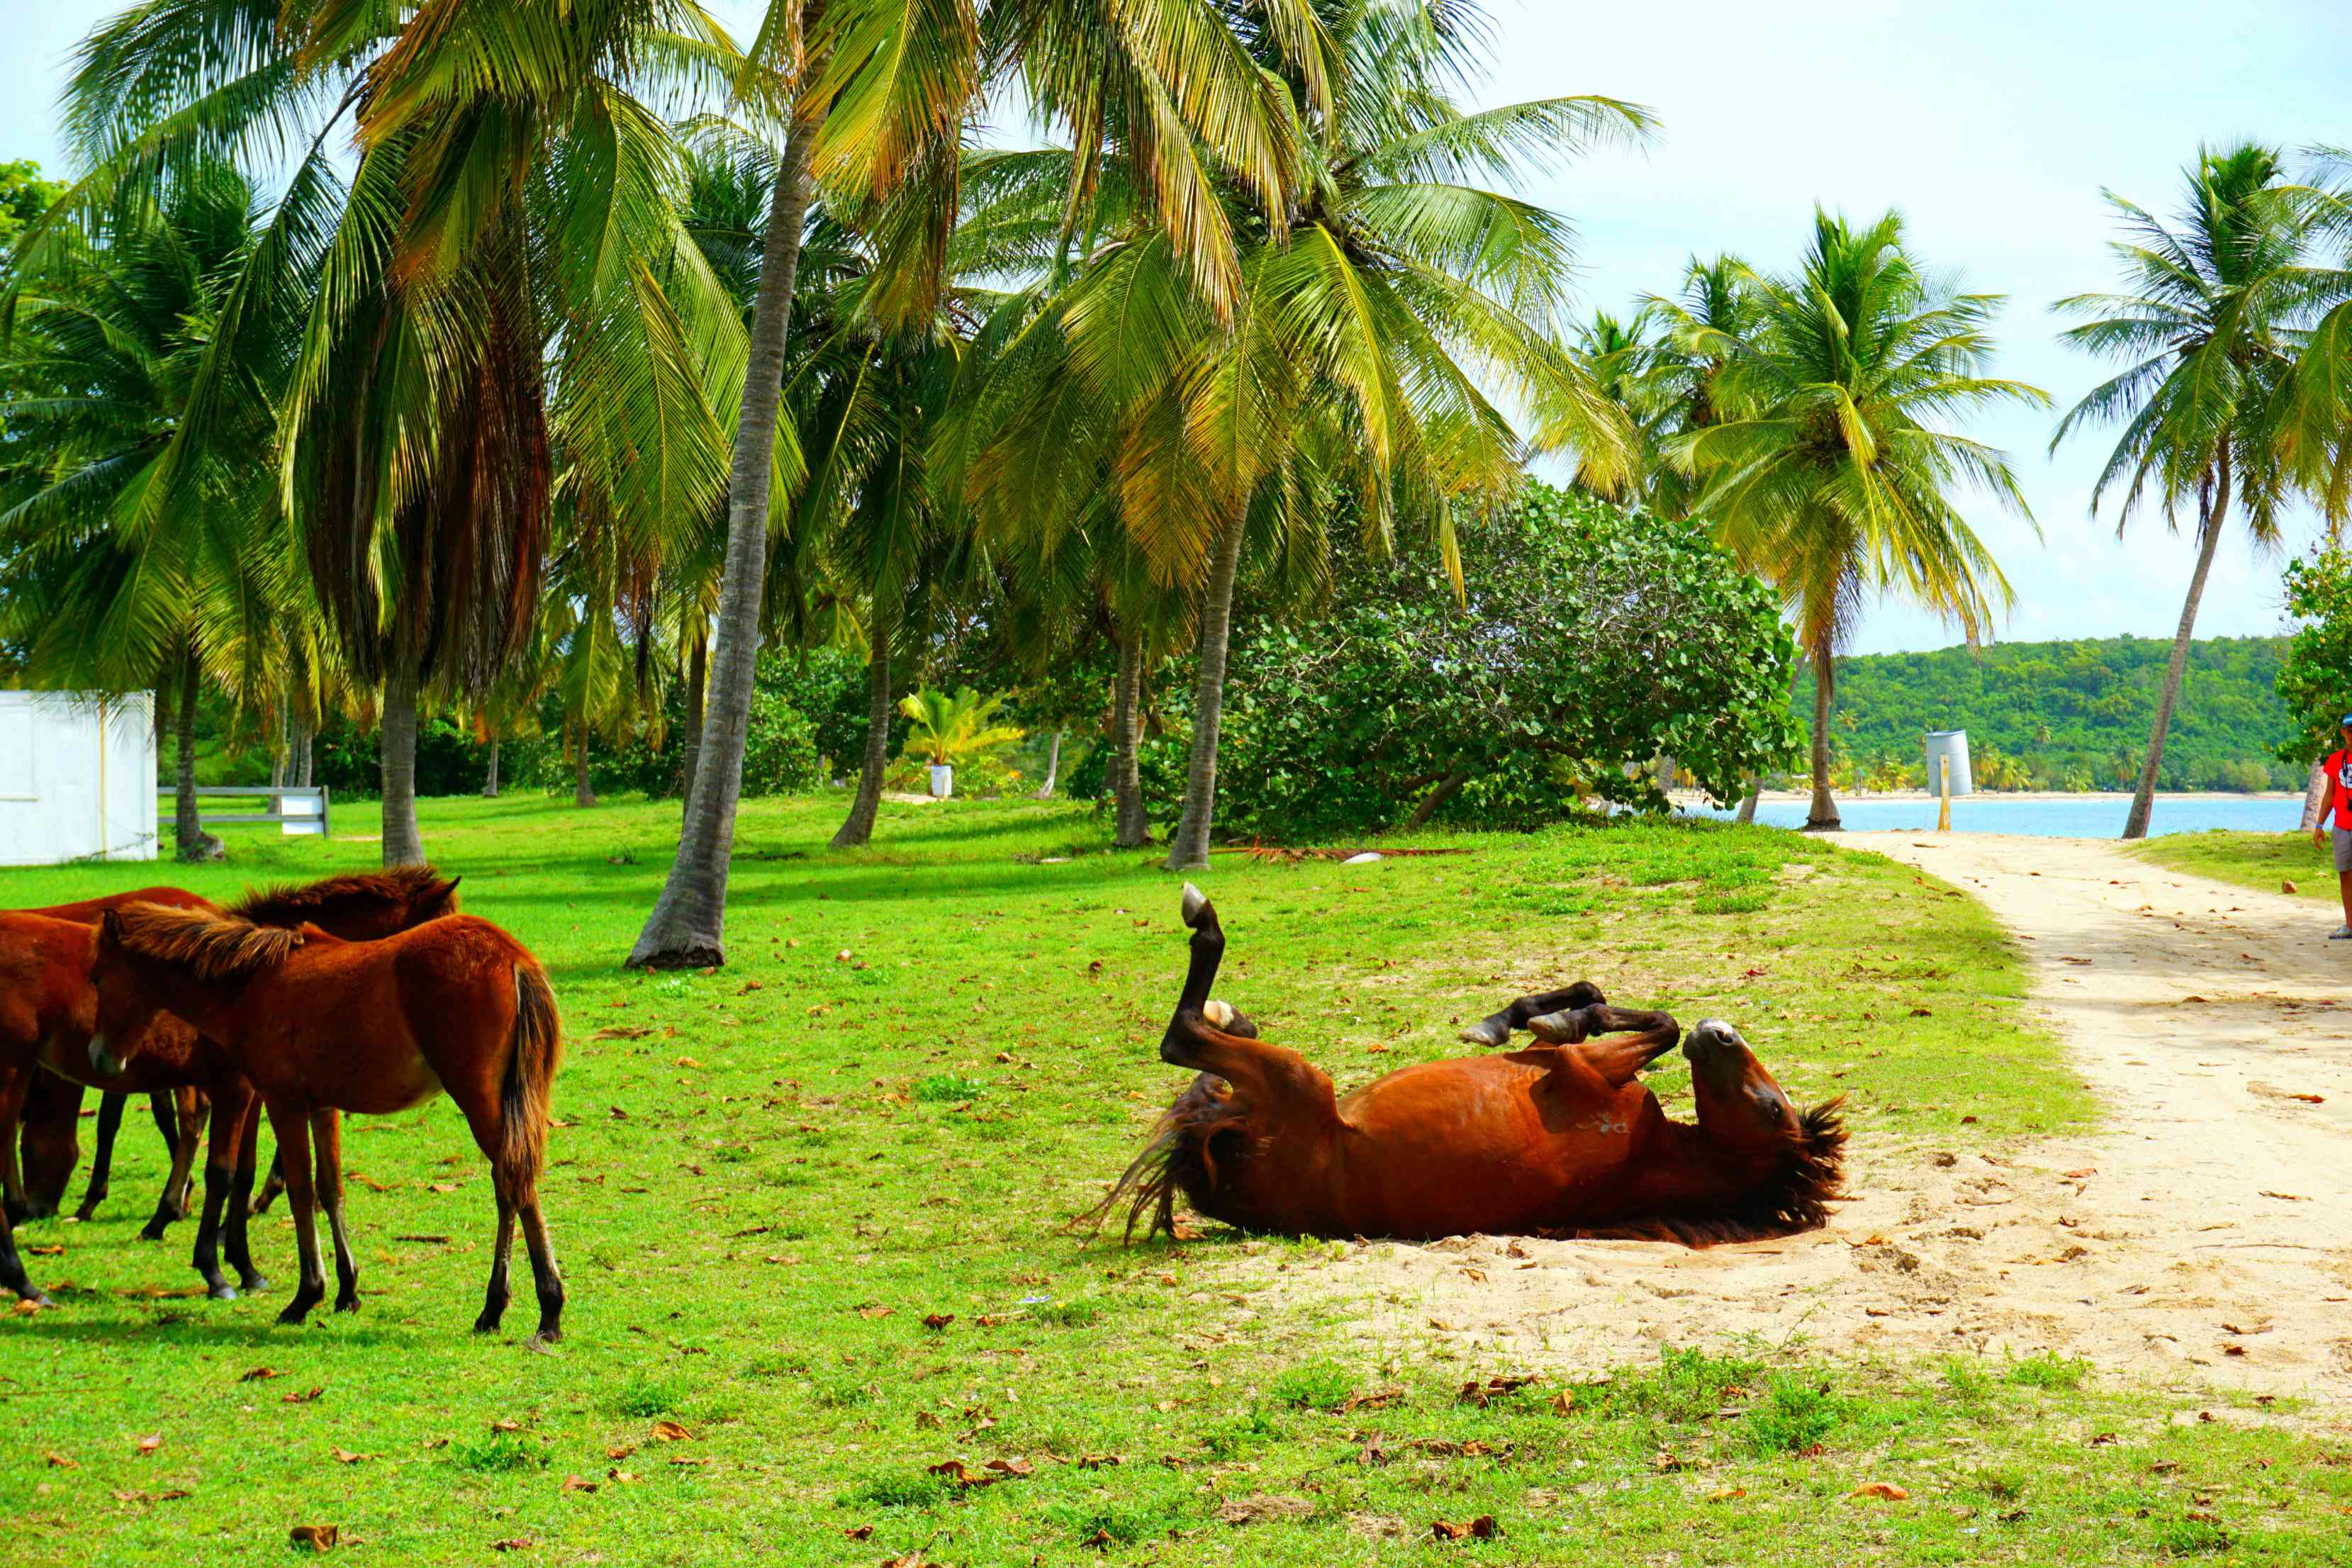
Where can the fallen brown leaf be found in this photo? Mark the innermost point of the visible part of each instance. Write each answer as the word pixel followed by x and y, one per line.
pixel 149 1443
pixel 577 1484
pixel 1482 1528
pixel 317 1536
pixel 515 1543
pixel 1885 1490
pixel 345 1456
pixel 60 1462
pixel 309 1396
pixel 670 1432
pixel 938 1321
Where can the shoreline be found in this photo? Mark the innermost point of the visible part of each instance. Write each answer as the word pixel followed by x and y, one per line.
pixel 1689 797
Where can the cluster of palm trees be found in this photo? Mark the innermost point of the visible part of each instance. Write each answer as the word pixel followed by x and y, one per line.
pixel 1808 415
pixel 461 355
pixel 441 356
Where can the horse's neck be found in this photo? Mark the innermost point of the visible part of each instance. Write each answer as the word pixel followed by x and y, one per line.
pixel 1684 1168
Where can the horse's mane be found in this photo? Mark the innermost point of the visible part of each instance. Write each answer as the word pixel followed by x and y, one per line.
pixel 1794 1198
pixel 290 903
pixel 211 946
pixel 1175 1158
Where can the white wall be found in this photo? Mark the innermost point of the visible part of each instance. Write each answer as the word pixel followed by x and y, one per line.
pixel 76 777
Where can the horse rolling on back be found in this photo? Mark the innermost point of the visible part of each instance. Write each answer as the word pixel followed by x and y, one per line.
pixel 1557 1138
pixel 322 1025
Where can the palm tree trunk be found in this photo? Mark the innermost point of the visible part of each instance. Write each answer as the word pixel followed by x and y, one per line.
pixel 2314 793
pixel 860 826
pixel 298 770
pixel 490 782
pixel 2208 539
pixel 584 793
pixel 1823 816
pixel 1749 802
pixel 688 926
pixel 697 671
pixel 402 844
pixel 1134 824
pixel 1190 847
pixel 187 826
pixel 1052 768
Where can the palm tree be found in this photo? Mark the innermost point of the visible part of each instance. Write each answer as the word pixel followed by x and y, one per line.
pixel 102 592
pixel 1226 439
pixel 879 97
pixel 1700 330
pixel 2208 326
pixel 500 276
pixel 1824 473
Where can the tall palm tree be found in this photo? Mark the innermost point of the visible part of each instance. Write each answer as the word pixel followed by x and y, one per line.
pixel 880 92
pixel 1699 333
pixel 502 275
pixel 2209 325
pixel 1825 472
pixel 1372 317
pixel 102 338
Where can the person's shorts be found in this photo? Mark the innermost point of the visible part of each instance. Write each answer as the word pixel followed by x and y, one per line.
pixel 2343 850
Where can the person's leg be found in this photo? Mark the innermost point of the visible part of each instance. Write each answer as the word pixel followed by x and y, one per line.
pixel 2341 841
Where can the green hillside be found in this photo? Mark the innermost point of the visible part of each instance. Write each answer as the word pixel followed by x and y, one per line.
pixel 2065 715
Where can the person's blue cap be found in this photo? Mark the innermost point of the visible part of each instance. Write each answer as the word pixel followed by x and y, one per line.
pixel 2348 721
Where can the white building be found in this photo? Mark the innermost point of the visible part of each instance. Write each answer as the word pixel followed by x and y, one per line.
pixel 76 777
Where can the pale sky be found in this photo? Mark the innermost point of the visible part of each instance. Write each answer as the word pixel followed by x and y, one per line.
pixel 1993 125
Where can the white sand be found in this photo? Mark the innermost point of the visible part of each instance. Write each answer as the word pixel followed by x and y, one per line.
pixel 2213 1211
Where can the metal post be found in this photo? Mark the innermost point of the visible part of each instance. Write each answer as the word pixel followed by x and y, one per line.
pixel 1944 812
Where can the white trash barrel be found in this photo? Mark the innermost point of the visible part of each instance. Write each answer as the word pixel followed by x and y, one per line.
pixel 1952 744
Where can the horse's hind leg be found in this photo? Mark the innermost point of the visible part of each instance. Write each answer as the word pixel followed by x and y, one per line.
pixel 1639 1037
pixel 101 1159
pixel 327 1142
pixel 14 1084
pixel 179 1117
pixel 1495 1028
pixel 291 1121
pixel 546 1279
pixel 495 1298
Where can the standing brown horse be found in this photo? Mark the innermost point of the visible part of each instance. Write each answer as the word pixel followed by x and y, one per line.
pixel 49 1012
pixel 1559 1138
pixel 320 1026
pixel 47 1110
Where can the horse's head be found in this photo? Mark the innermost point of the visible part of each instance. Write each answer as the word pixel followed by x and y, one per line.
pixel 1795 1156
pixel 148 961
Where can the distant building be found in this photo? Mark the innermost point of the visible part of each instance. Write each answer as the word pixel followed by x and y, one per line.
pixel 76 777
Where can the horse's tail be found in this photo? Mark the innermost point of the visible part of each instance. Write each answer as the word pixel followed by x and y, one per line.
pixel 1174 1158
pixel 532 1054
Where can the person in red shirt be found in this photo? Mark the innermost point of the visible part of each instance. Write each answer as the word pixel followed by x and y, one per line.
pixel 2336 822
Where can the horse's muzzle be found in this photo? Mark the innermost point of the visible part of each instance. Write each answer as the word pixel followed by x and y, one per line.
pixel 103 1060
pixel 1707 1036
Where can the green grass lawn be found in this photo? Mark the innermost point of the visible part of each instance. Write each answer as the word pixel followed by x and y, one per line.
pixel 2264 860
pixel 809 1206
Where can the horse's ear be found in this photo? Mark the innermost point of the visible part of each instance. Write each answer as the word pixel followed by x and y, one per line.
pixel 450 889
pixel 109 926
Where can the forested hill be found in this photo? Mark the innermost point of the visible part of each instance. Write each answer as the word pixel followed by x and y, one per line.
pixel 2069 715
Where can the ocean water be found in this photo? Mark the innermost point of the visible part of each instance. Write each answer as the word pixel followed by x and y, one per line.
pixel 2071 816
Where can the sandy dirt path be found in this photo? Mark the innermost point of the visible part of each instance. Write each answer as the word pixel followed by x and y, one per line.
pixel 2204 1235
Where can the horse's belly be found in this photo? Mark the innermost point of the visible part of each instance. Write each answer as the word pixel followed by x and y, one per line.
pixel 371 1088
pixel 1423 1189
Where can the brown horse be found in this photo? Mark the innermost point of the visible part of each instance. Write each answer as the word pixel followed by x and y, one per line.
pixel 48 1112
pixel 1562 1138
pixel 49 1016
pixel 320 1026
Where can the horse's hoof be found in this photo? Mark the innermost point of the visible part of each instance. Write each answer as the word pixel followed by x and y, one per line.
pixel 151 1232
pixel 85 1213
pixel 486 1324
pixel 1486 1032
pixel 544 1338
pixel 296 1313
pixel 253 1284
pixel 222 1291
pixel 348 1304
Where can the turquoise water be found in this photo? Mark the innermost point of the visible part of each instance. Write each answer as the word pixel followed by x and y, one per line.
pixel 2075 816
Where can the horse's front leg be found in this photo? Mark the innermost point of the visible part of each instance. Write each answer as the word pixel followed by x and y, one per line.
pixel 179 1117
pixel 1210 1037
pixel 1495 1028
pixel 289 1119
pixel 327 1141
pixel 1640 1037
pixel 101 1158
pixel 236 1145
